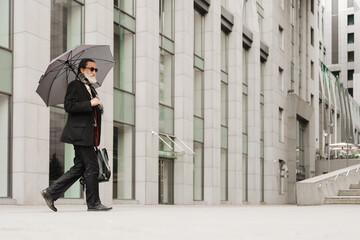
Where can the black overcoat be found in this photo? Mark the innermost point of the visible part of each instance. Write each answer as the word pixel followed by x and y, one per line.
pixel 79 128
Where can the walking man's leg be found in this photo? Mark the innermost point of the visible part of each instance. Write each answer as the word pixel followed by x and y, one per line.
pixel 56 189
pixel 88 155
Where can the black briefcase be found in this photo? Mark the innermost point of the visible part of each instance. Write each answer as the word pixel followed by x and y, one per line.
pixel 104 166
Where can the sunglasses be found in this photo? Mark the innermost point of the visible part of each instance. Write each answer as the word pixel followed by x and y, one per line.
pixel 92 69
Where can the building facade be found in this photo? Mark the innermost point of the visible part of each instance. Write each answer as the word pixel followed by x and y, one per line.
pixel 339 88
pixel 207 102
pixel 342 18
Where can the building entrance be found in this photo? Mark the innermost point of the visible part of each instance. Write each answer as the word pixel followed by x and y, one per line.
pixel 166 181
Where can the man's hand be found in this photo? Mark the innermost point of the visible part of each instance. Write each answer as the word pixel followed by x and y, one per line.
pixel 95 102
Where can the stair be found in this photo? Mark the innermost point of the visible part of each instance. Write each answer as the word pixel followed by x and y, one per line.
pixel 354 186
pixel 346 196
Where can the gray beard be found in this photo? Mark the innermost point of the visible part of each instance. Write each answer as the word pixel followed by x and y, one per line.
pixel 92 80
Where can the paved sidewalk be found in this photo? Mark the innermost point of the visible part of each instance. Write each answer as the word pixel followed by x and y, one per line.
pixel 181 222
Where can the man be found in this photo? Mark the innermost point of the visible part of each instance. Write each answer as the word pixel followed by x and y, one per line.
pixel 82 129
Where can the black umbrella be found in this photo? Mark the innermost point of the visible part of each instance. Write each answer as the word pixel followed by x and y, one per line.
pixel 62 70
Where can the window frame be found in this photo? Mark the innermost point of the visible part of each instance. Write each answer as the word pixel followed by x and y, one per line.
pixel 349 41
pixel 349 23
pixel 133 161
pixel 60 106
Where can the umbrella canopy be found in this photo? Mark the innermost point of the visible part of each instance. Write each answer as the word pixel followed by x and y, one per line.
pixel 343 146
pixel 62 70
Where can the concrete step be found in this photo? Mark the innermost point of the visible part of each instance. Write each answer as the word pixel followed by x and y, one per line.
pixel 349 192
pixel 342 200
pixel 354 186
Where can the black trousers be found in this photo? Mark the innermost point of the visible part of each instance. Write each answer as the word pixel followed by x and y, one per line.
pixel 85 163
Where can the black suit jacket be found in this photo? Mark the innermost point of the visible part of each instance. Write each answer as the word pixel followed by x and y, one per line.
pixel 79 128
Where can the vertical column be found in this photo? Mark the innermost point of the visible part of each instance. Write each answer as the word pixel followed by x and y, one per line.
pixel 147 101
pixel 99 29
pixel 184 93
pixel 30 115
pixel 254 108
pixel 212 114
pixel 235 106
pixel 291 116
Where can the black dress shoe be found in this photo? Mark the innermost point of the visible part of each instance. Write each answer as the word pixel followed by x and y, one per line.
pixel 48 199
pixel 99 207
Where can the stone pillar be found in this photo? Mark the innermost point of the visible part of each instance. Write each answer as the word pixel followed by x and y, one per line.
pixel 147 101
pixel 99 29
pixel 31 118
pixel 254 108
pixel 235 106
pixel 212 113
pixel 184 93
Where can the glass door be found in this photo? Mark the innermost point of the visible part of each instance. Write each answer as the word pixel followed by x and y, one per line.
pixel 166 181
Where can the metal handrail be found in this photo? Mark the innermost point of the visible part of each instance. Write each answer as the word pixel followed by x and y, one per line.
pixel 155 133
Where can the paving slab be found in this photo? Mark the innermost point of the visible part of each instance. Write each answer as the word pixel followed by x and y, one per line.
pixel 159 222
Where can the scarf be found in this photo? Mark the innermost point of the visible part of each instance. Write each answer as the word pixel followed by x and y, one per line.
pixel 91 89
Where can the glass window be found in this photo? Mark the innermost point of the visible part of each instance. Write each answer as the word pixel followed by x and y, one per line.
pixel 350 37
pixel 245 66
pixel 165 143
pixel 124 59
pixel 198 171
pixel 281 38
pixel 281 125
pixel 292 72
pixel 124 107
pixel 244 177
pixel 312 69
pixel 244 15
pixel 66 26
pixel 198 129
pixel 244 114
pixel 166 79
pixel 300 156
pixel 224 175
pixel 198 34
pixel 4 145
pixel 166 120
pixel 224 52
pixel 66 32
pixel 262 78
pixel 262 128
pixel 198 93
pixel 224 137
pixel 350 19
pixel 61 154
pixel 351 56
pixel 224 104
pixel 6 71
pixel 281 80
pixel 127 6
pixel 312 36
pixel 281 4
pixel 260 21
pixel 351 74
pixel 123 162
pixel 127 22
pixel 167 18
pixel 312 6
pixel 5 10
